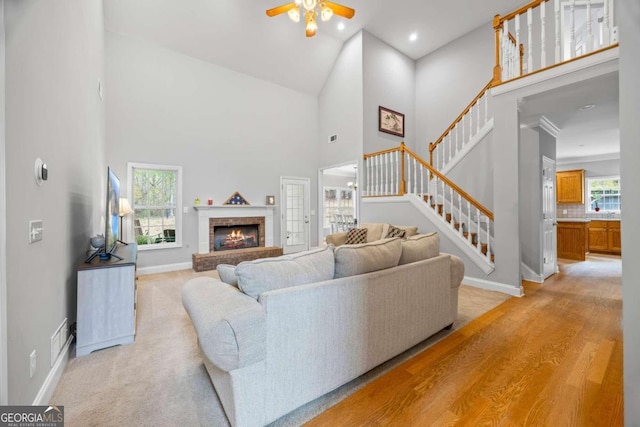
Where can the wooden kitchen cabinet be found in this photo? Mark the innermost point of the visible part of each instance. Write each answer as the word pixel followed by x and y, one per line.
pixel 604 236
pixel 573 238
pixel 570 186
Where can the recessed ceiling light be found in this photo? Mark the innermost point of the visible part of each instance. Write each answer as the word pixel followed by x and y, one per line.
pixel 586 107
pixel 340 26
pixel 413 37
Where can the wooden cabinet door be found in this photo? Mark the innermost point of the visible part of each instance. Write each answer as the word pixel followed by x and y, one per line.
pixel 614 241
pixel 570 186
pixel 598 236
pixel 571 241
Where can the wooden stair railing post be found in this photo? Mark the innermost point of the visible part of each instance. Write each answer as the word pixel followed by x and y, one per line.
pixel 497 70
pixel 403 182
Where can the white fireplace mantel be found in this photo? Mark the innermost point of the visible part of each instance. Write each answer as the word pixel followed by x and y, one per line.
pixel 232 211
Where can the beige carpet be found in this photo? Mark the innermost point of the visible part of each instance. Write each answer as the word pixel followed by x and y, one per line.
pixel 160 380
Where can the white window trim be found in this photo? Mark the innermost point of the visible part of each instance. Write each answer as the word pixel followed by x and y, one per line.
pixel 587 190
pixel 130 234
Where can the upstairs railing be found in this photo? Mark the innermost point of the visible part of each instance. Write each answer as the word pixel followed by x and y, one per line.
pixel 468 124
pixel 399 171
pixel 580 27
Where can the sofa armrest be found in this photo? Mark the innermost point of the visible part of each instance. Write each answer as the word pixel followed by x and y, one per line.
pixel 231 326
pixel 337 239
pixel 457 271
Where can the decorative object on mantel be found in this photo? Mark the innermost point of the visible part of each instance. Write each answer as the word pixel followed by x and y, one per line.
pixel 390 121
pixel 271 200
pixel 210 201
pixel 236 199
pixel 196 201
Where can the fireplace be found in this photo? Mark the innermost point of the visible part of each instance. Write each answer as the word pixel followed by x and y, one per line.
pixel 230 237
pixel 232 233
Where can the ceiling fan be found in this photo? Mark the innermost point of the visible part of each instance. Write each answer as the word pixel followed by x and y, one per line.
pixel 312 8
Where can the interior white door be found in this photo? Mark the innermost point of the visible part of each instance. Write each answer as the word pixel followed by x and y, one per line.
pixel 549 237
pixel 296 207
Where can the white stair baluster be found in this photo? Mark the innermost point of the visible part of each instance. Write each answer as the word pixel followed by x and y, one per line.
pixel 470 114
pixel 589 38
pixel 415 176
pixel 572 29
pixel 478 116
pixel 469 216
pixel 479 247
pixel 543 35
pixel 460 217
pixel 421 180
pixel 408 163
pixel 366 177
pixel 442 148
pixel 607 25
pixel 529 40
pixel 375 175
pixel 556 8
pixel 396 168
pixel 452 223
pixel 488 239
pixel 517 18
pixel 507 49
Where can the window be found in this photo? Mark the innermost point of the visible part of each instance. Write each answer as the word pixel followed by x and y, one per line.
pixel 156 197
pixel 603 194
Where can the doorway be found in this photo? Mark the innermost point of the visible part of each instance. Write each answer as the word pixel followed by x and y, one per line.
pixel 296 206
pixel 338 198
pixel 549 237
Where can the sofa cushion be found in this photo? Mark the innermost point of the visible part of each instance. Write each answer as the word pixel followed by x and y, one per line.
pixel 409 230
pixel 352 260
pixel 374 230
pixel 227 274
pixel 395 232
pixel 262 275
pixel 356 236
pixel 419 247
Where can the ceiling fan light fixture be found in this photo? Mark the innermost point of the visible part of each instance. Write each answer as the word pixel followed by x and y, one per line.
pixel 294 15
pixel 325 12
pixel 312 24
pixel 309 5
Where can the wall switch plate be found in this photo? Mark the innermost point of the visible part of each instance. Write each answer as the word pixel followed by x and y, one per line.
pixel 32 364
pixel 564 211
pixel 185 209
pixel 35 230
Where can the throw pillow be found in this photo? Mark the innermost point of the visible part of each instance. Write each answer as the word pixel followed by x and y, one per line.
pixel 227 274
pixel 356 236
pixel 396 232
pixel 352 260
pixel 419 247
pixel 262 275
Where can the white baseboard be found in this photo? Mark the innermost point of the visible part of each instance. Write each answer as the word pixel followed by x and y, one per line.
pixel 528 274
pixel 164 268
pixel 46 391
pixel 493 286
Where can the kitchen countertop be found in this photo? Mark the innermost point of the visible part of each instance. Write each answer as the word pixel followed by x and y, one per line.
pixel 586 219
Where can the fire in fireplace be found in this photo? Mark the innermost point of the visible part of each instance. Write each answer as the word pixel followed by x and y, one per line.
pixel 236 237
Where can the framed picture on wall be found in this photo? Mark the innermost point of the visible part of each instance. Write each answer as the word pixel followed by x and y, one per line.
pixel 390 121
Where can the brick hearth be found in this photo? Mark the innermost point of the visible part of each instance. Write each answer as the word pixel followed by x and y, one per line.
pixel 204 262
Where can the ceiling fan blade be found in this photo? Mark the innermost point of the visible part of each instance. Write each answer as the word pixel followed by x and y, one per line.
pixel 281 9
pixel 340 10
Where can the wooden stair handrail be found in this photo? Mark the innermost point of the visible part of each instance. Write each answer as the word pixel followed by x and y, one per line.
pixel 433 145
pixel 403 149
pixel 521 10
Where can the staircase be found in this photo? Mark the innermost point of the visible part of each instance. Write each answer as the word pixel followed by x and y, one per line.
pixel 399 172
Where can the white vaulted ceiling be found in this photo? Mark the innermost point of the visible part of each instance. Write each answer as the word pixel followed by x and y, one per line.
pixel 237 34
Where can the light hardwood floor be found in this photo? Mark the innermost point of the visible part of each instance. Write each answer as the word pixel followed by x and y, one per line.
pixel 551 358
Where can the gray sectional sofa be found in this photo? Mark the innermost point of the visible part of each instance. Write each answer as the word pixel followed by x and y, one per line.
pixel 284 331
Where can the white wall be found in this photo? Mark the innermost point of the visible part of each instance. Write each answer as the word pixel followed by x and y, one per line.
pixel 448 79
pixel 594 168
pixel 629 19
pixel 340 107
pixel 54 60
pixel 389 81
pixel 3 222
pixel 230 132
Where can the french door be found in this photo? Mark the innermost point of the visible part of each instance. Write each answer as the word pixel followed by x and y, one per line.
pixel 296 206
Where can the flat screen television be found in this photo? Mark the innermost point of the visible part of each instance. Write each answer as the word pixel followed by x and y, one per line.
pixel 112 218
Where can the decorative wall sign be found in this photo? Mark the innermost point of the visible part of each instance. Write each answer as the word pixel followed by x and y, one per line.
pixel 271 200
pixel 236 199
pixel 390 121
